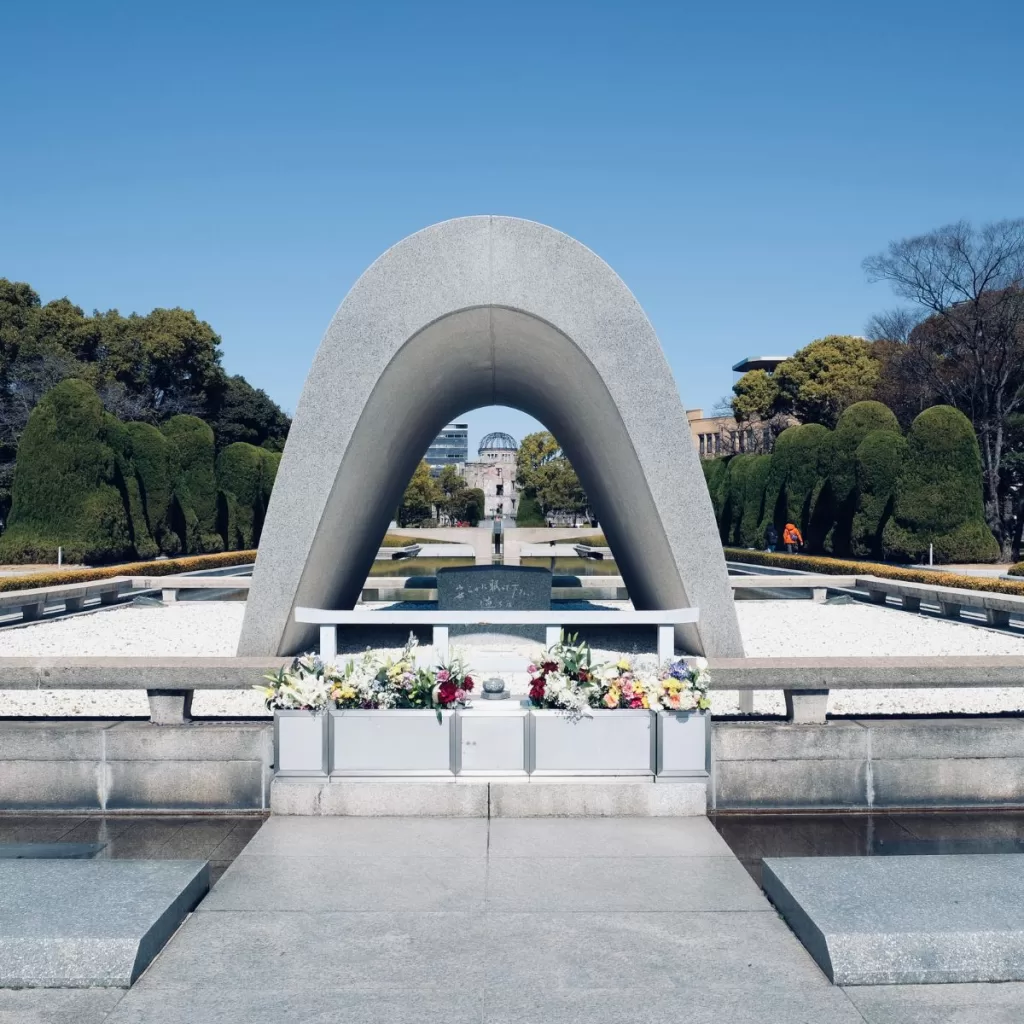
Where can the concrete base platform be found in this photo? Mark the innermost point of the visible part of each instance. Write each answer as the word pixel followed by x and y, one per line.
pixel 490 798
pixel 88 923
pixel 905 920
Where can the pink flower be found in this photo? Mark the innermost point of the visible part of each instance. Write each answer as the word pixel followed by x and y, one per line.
pixel 443 676
pixel 460 695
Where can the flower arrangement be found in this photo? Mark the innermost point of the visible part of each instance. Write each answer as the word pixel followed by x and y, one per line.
pixel 371 682
pixel 305 685
pixel 566 679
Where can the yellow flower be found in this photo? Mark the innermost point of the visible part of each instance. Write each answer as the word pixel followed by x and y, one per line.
pixel 622 665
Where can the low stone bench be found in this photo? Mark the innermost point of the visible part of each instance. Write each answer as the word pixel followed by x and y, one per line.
pixel 34 601
pixel 997 607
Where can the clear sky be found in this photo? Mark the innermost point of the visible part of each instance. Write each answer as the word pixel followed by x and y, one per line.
pixel 733 162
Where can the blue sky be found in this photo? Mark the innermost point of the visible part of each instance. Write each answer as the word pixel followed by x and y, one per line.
pixel 734 163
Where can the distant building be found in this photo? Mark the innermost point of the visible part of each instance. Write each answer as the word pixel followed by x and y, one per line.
pixel 722 435
pixel 494 473
pixel 766 363
pixel 449 448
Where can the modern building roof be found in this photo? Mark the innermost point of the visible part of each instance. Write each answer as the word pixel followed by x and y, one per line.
pixel 759 363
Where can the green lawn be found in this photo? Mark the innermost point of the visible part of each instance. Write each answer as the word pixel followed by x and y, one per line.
pixel 572 566
pixel 417 566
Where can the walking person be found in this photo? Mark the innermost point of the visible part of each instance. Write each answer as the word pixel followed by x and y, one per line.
pixel 792 538
pixel 771 538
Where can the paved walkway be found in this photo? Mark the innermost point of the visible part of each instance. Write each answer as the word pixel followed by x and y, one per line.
pixel 528 921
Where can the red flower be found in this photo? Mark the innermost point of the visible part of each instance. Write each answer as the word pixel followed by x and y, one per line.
pixel 549 666
pixel 537 690
pixel 446 693
pixel 467 683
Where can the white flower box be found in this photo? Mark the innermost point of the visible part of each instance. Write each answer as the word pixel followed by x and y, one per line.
pixel 393 742
pixel 602 742
pixel 491 739
pixel 300 742
pixel 684 743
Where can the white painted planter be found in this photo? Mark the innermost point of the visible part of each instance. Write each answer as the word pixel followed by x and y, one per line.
pixel 491 739
pixel 684 743
pixel 601 743
pixel 396 742
pixel 300 742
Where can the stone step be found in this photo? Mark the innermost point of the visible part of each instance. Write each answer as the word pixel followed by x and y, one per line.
pixel 905 920
pixel 490 798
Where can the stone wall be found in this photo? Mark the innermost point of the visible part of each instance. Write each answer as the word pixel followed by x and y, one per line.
pixel 856 765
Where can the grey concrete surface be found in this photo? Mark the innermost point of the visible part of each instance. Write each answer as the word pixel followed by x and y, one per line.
pixel 508 954
pixel 905 920
pixel 95 923
pixel 595 963
pixel 472 312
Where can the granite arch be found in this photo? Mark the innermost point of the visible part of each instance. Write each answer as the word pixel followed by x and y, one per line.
pixel 467 313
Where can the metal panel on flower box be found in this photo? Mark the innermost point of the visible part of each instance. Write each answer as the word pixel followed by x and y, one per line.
pixel 300 742
pixel 684 743
pixel 394 742
pixel 598 743
pixel 492 740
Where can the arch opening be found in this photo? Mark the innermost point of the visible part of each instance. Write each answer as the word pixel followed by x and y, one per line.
pixel 345 467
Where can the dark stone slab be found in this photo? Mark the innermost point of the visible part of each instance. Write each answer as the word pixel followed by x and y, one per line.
pixel 91 923
pixel 495 588
pixel 49 851
pixel 905 920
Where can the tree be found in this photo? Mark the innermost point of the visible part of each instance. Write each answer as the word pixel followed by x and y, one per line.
pixel 820 380
pixel 967 289
pixel 452 492
pixel 534 452
pixel 756 395
pixel 938 495
pixel 546 476
pixel 241 412
pixel 419 498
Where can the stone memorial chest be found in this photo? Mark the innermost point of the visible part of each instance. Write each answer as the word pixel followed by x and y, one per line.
pixel 495 588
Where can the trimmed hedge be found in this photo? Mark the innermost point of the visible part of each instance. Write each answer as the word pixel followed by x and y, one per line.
pixel 879 462
pixel 855 424
pixel 797 469
pixel 148 450
pixel 163 567
pixel 69 488
pixel 938 497
pixel 840 567
pixel 194 504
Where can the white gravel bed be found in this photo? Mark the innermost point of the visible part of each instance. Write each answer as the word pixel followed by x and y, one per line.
pixel 770 629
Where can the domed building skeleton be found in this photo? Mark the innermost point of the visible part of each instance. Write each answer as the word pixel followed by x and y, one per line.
pixel 494 473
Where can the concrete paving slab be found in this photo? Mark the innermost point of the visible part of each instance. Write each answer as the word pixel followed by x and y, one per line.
pixel 655 884
pixel 940 1004
pixel 82 923
pixel 256 882
pixel 905 920
pixel 605 837
pixel 370 837
pixel 547 959
pixel 57 1006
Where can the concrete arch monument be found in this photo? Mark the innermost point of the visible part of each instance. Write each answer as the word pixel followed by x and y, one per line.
pixel 473 312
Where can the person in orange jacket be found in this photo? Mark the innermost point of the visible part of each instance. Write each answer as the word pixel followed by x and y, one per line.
pixel 792 538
